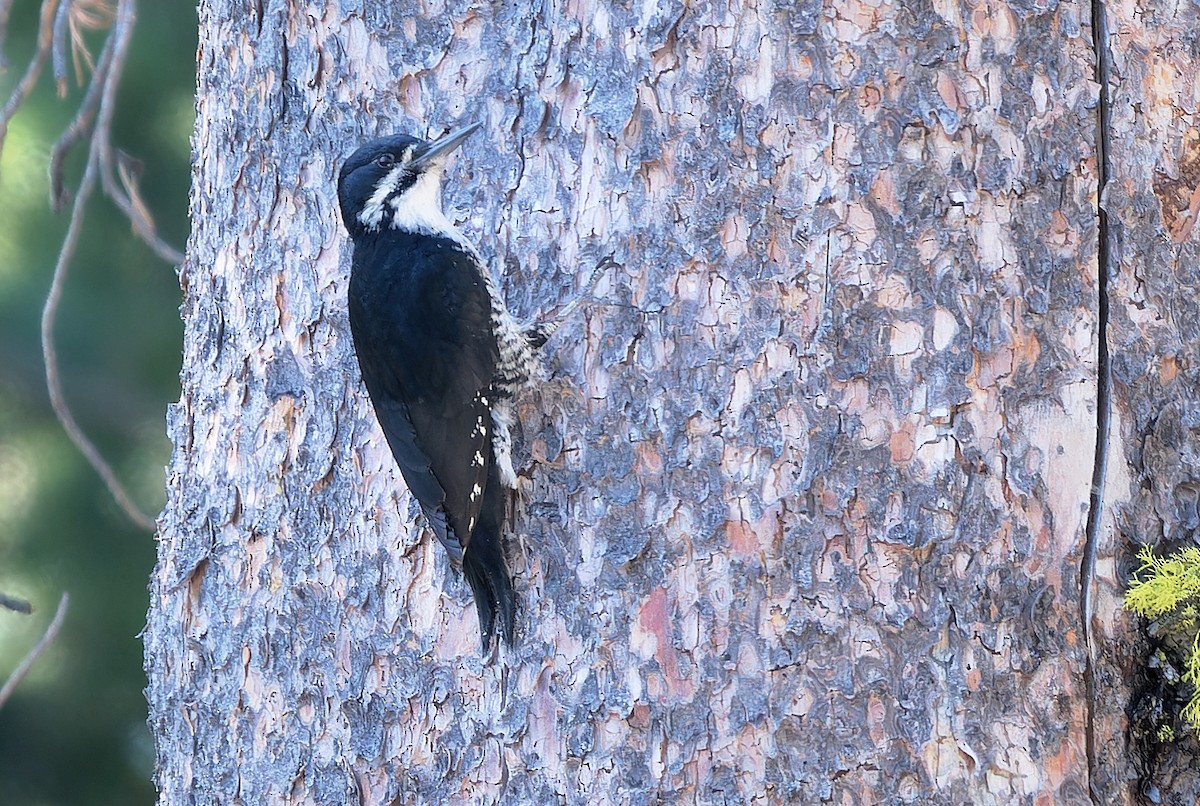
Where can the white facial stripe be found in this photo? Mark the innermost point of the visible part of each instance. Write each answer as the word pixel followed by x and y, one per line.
pixel 372 212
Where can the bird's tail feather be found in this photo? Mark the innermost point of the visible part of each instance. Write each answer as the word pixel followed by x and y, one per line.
pixel 486 569
pixel 487 574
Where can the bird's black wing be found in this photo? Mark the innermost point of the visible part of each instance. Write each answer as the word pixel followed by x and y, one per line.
pixel 421 320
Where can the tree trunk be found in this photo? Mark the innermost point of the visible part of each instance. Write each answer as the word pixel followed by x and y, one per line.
pixel 808 492
pixel 1152 201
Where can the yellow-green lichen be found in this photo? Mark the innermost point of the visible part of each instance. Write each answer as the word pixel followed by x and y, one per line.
pixel 1167 590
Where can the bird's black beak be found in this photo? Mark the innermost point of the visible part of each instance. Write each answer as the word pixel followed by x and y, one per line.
pixel 434 151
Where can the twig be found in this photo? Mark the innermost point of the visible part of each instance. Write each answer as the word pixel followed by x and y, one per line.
pixel 93 117
pixel 53 383
pixel 18 674
pixel 79 128
pixel 127 197
pixel 540 333
pixel 131 205
pixel 120 33
pixel 14 604
pixel 5 8
pixel 58 50
pixel 56 24
pixel 32 72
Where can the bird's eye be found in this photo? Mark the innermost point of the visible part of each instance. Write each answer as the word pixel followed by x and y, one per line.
pixel 385 160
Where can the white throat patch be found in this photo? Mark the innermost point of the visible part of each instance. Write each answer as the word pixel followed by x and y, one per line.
pixel 419 209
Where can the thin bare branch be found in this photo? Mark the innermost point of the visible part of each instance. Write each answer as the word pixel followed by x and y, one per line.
pixel 127 197
pixel 125 194
pixel 58 49
pixel 32 71
pixel 18 674
pixel 80 127
pixel 62 25
pixel 5 8
pixel 121 30
pixel 50 355
pixel 14 604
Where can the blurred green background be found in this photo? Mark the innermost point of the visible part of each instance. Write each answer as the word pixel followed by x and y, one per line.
pixel 75 731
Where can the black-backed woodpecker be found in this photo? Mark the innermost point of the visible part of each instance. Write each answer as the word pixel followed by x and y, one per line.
pixel 440 355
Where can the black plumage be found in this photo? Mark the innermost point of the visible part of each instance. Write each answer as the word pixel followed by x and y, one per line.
pixel 430 335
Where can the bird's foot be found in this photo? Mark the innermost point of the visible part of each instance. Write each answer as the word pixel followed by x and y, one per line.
pixel 538 334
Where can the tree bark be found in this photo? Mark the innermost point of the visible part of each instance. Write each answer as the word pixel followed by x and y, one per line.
pixel 808 491
pixel 1152 203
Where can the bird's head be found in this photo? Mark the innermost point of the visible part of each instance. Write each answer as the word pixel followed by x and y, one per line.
pixel 394 182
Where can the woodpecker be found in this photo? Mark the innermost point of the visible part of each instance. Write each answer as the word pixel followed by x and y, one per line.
pixel 440 354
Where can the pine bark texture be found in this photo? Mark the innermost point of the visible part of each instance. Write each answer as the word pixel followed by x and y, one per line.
pixel 807 492
pixel 1152 201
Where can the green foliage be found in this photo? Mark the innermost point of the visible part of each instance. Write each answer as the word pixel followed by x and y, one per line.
pixel 1163 585
pixel 1167 590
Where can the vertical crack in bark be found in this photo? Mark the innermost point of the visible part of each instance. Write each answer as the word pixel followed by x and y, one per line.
pixel 1096 503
